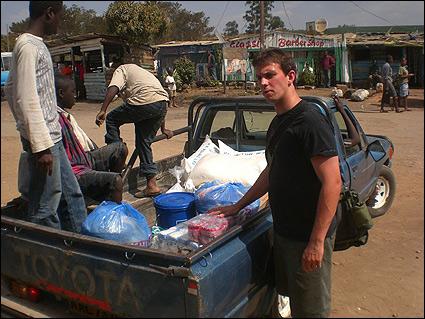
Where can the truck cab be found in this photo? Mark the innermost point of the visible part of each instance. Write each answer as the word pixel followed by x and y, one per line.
pixel 6 64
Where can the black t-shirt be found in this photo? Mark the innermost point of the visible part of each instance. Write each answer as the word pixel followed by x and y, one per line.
pixel 294 186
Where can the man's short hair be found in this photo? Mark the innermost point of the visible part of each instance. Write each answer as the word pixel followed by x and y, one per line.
pixel 62 82
pixel 388 58
pixel 37 8
pixel 275 55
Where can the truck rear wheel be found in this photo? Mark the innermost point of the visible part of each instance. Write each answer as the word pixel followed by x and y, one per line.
pixel 380 202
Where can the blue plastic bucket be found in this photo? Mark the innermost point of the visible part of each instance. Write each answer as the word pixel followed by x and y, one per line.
pixel 174 208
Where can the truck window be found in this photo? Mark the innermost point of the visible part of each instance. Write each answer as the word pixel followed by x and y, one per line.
pixel 256 124
pixel 350 150
pixel 223 125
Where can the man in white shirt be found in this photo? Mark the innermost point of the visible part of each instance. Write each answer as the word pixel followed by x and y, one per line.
pixel 145 105
pixel 30 92
pixel 172 89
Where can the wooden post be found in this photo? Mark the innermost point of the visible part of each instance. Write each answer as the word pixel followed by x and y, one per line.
pixel 261 25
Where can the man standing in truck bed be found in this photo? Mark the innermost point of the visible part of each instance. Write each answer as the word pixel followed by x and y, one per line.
pixel 30 91
pixel 145 105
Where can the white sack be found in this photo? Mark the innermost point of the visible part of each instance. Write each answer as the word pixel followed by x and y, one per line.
pixel 228 169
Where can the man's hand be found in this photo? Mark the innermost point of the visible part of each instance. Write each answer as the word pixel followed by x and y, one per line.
pixel 312 257
pixel 224 211
pixel 45 161
pixel 100 118
pixel 168 132
pixel 338 102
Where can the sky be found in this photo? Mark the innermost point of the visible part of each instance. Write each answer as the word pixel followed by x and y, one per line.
pixel 359 13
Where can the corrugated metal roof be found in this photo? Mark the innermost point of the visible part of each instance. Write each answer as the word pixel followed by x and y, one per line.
pixel 89 36
pixel 182 43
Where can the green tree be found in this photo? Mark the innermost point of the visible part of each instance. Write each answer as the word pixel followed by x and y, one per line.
pixel 252 16
pixel 184 72
pixel 183 24
pixel 19 27
pixel 138 23
pixel 276 23
pixel 231 28
pixel 77 20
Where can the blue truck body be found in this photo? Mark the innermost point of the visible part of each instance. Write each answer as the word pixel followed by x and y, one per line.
pixel 232 276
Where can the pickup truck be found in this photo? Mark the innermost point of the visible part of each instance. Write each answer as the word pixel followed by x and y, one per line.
pixel 46 272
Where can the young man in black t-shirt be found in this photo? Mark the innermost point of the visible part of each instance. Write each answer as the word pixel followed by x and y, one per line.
pixel 304 183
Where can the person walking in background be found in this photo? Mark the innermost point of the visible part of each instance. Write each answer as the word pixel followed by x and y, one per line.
pixel 326 63
pixel 67 70
pixel 32 99
pixel 304 157
pixel 211 65
pixel 403 83
pixel 145 105
pixel 389 90
pixel 307 67
pixel 171 89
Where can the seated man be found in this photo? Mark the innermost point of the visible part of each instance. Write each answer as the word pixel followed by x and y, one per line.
pixel 97 169
pixel 374 75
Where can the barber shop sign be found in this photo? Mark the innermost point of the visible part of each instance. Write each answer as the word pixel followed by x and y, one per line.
pixel 281 40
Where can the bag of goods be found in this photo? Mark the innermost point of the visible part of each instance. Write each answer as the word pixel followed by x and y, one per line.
pixel 117 222
pixel 205 228
pixel 228 169
pixel 207 147
pixel 360 95
pixel 216 194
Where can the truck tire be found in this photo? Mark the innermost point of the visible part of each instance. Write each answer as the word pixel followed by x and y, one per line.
pixel 379 203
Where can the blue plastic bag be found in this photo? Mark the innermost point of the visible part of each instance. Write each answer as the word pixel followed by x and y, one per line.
pixel 121 223
pixel 216 194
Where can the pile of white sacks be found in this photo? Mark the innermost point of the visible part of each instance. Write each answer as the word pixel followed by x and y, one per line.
pixel 224 164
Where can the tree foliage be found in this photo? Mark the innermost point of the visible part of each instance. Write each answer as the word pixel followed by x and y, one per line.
pixel 184 25
pixel 77 20
pixel 136 22
pixel 231 28
pixel 252 16
pixel 184 71
pixel 276 23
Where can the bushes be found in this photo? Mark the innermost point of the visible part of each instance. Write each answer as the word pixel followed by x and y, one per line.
pixel 184 72
pixel 306 78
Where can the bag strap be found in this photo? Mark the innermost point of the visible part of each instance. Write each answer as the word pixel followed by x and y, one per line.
pixel 281 128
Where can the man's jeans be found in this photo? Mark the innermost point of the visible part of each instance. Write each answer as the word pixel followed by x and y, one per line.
pixel 327 75
pixel 147 120
pixel 55 201
pixel 212 73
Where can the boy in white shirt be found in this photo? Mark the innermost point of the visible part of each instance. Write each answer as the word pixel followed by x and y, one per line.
pixel 171 89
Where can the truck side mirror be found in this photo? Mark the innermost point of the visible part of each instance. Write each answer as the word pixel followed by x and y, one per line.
pixel 376 150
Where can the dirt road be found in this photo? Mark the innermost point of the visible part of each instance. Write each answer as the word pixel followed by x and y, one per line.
pixel 385 278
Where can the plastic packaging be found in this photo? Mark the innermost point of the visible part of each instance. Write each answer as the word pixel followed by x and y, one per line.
pixel 215 194
pixel 205 228
pixel 121 223
pixel 175 239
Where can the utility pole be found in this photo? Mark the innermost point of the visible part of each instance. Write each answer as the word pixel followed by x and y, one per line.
pixel 261 25
pixel 7 29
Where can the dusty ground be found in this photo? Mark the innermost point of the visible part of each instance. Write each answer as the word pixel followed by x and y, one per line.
pixel 383 279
